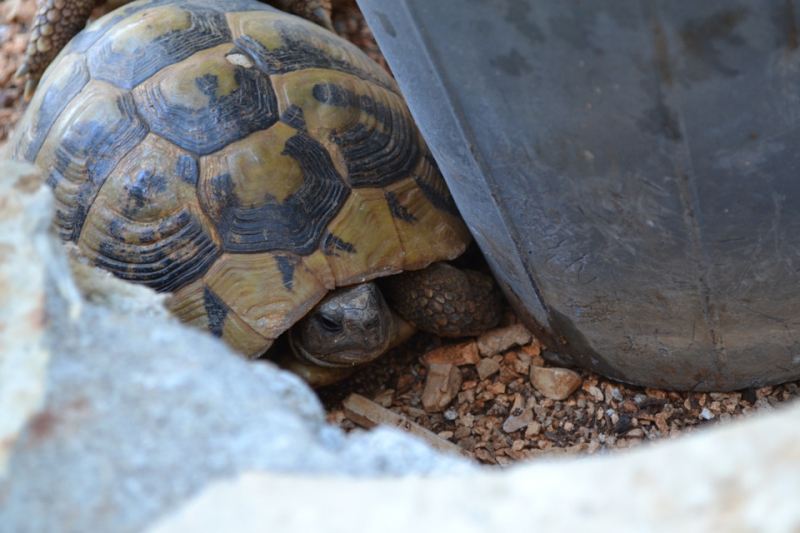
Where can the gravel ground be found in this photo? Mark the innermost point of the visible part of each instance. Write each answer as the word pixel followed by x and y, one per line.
pixel 503 417
pixel 496 397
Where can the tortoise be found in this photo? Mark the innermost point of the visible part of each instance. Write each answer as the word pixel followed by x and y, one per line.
pixel 261 170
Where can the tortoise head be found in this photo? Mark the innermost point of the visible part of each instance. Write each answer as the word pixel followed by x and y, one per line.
pixel 350 326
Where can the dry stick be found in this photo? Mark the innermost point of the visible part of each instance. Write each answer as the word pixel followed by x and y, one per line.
pixel 368 414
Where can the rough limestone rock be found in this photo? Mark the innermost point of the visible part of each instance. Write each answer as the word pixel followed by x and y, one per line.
pixel 29 259
pixel 140 412
pixel 149 426
pixel 743 477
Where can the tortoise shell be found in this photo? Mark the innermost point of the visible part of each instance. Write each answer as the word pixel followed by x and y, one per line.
pixel 243 159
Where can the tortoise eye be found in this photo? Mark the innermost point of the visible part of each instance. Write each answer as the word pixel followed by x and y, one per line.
pixel 329 324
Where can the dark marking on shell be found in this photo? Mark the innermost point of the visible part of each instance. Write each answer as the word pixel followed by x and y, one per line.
pixel 373 158
pixel 399 210
pixel 294 117
pixel 435 189
pixel 216 310
pixel 54 101
pixel 252 106
pixel 187 169
pixel 130 67
pixel 99 148
pixel 331 244
pixel 332 94
pixel 143 190
pixel 286 266
pixel 165 256
pixel 298 223
pixel 302 49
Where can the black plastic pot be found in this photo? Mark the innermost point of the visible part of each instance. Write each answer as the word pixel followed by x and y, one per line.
pixel 629 169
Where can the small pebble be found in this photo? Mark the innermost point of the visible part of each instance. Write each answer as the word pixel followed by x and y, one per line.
pixel 384 398
pixel 467 420
pixel 501 339
pixel 497 388
pixel 516 422
pixel 451 415
pixel 706 414
pixel 597 394
pixel 486 368
pixel 555 383
pixel 456 354
pixel 441 386
pixel 533 429
pixel 462 432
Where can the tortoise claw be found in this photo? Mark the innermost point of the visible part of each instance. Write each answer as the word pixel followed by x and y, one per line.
pixel 22 71
pixel 322 18
pixel 30 88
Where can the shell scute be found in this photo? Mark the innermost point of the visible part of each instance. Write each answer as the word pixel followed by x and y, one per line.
pixel 151 39
pixel 367 126
pixel 362 243
pixel 427 233
pixel 61 84
pixel 146 224
pixel 206 102
pixel 277 189
pixel 84 146
pixel 268 291
pixel 289 44
pixel 199 306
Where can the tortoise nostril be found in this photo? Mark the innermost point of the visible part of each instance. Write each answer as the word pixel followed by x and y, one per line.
pixel 329 324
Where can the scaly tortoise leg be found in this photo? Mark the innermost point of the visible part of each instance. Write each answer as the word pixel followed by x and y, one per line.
pixel 445 300
pixel 58 21
pixel 54 24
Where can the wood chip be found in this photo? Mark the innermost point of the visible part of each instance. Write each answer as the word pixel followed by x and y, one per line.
pixel 368 414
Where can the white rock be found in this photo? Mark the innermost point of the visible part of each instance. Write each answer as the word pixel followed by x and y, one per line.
pixel 101 288
pixel 140 412
pixel 741 477
pixel 29 260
